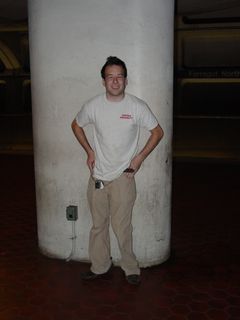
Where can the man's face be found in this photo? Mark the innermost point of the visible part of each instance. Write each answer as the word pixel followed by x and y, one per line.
pixel 114 82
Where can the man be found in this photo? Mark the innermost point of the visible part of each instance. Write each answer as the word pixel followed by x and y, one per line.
pixel 113 161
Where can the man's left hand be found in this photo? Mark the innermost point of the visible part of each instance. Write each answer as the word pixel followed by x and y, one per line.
pixel 135 165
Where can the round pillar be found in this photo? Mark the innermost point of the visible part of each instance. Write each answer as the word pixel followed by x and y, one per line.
pixel 69 43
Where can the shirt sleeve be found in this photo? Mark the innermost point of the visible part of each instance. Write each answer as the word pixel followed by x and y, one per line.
pixel 147 119
pixel 83 117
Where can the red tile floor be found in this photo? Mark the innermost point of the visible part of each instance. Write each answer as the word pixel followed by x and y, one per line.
pixel 200 281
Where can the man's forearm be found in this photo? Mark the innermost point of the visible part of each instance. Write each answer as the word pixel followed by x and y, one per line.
pixel 154 139
pixel 156 136
pixel 81 137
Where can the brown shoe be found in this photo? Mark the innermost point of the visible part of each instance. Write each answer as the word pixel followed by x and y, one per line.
pixel 89 275
pixel 133 279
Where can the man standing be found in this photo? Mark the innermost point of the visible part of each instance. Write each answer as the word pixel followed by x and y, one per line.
pixel 113 161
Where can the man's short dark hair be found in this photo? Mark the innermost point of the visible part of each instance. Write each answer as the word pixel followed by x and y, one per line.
pixel 114 61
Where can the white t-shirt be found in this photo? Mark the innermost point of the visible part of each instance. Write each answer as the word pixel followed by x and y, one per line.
pixel 116 127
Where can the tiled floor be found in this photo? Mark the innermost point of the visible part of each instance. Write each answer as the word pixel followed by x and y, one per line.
pixel 200 281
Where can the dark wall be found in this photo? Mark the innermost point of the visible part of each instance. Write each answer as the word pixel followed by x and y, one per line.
pixel 15 93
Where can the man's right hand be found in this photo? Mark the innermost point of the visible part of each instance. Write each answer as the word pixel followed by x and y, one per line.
pixel 91 161
pixel 80 135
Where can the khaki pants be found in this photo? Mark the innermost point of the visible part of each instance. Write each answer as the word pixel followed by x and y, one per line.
pixel 115 201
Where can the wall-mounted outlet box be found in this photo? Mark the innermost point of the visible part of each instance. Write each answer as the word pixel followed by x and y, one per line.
pixel 72 213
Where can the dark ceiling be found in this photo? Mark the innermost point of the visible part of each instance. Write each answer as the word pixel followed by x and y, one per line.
pixel 17 9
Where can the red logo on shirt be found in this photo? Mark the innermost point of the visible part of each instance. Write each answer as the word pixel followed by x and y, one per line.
pixel 126 116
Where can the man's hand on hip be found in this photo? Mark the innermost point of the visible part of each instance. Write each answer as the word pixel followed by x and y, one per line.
pixel 135 165
pixel 91 161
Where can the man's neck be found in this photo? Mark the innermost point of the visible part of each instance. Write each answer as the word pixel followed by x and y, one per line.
pixel 112 98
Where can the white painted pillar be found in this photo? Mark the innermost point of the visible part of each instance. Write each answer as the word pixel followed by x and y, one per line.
pixel 69 43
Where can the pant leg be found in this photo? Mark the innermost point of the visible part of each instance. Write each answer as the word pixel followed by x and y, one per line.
pixel 122 197
pixel 99 240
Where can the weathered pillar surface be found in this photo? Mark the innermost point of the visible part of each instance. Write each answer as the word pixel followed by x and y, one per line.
pixel 69 42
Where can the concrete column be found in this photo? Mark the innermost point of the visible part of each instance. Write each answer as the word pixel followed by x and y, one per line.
pixel 69 43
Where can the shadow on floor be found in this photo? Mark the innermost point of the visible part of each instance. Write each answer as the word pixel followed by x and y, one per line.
pixel 201 280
